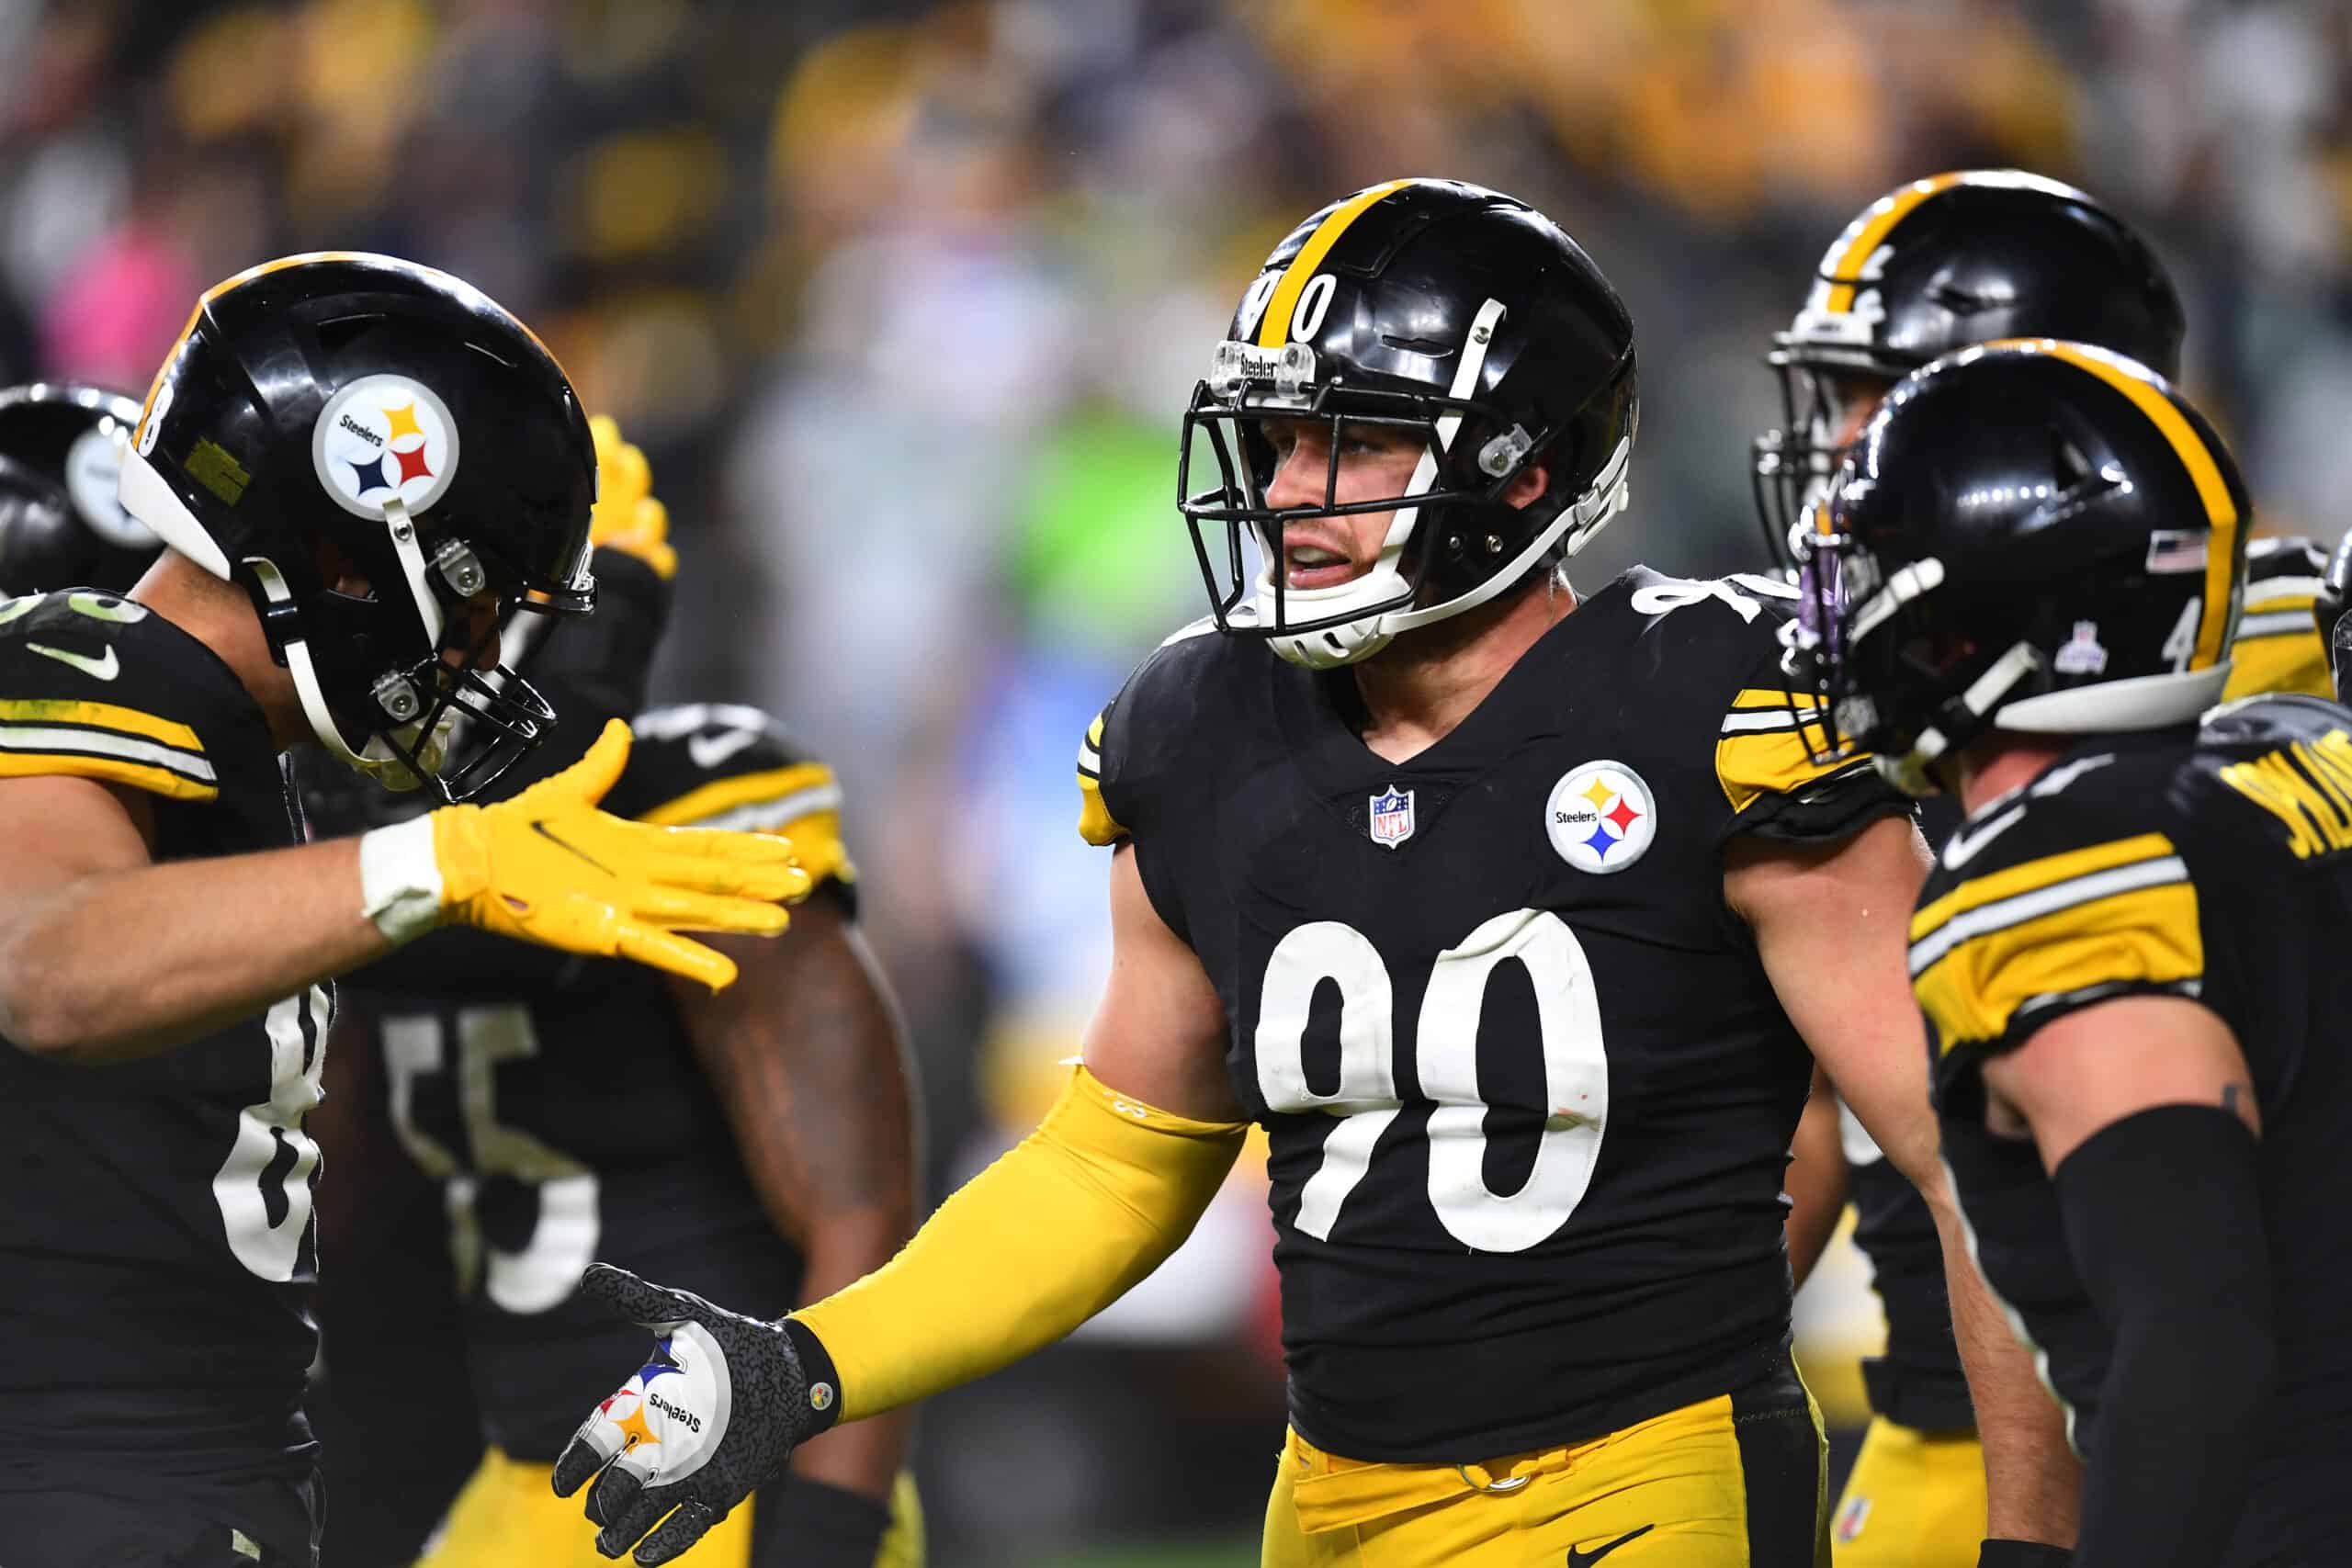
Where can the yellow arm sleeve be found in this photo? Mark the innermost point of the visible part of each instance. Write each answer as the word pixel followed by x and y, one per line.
pixel 1061 1226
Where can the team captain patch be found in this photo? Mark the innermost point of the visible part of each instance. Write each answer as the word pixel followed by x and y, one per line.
pixel 1601 816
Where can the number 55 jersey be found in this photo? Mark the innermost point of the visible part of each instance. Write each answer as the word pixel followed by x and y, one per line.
pixel 156 1221
pixel 1527 1088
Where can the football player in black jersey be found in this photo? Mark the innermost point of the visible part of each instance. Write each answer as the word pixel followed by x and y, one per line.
pixel 569 1109
pixel 61 524
pixel 1509 917
pixel 2130 953
pixel 1933 266
pixel 358 466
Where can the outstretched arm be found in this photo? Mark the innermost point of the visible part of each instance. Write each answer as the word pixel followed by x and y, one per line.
pixel 1054 1231
pixel 107 955
pixel 1832 926
pixel 809 1059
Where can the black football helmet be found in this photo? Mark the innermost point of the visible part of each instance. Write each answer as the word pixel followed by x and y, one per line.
pixel 392 420
pixel 2327 609
pixel 61 525
pixel 2036 535
pixel 1447 310
pixel 1935 266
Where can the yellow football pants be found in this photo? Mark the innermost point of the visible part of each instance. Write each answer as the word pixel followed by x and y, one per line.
pixel 1729 1483
pixel 1914 1500
pixel 508 1516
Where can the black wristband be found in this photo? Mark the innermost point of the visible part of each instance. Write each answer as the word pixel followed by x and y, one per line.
pixel 2023 1554
pixel 809 1524
pixel 824 1407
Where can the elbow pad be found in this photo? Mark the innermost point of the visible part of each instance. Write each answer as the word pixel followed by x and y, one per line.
pixel 1058 1228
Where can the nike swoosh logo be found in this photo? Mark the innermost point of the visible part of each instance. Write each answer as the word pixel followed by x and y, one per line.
pixel 541 829
pixel 104 669
pixel 1582 1559
pixel 709 751
pixel 1962 847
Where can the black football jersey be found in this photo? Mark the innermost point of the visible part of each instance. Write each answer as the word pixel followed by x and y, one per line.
pixel 568 1118
pixel 1528 1090
pixel 156 1232
pixel 1920 1381
pixel 2213 863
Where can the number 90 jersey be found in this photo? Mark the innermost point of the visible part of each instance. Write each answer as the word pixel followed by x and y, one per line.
pixel 1528 1090
pixel 155 1225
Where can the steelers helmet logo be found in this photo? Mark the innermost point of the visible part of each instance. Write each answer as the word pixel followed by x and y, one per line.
pixel 93 473
pixel 1601 816
pixel 384 438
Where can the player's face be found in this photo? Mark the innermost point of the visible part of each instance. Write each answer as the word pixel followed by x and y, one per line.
pixel 1374 460
pixel 1850 401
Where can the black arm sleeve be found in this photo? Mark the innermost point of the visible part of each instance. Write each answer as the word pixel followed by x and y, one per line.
pixel 2163 1215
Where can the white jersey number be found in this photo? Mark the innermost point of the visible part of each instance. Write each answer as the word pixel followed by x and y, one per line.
pixel 264 1186
pixel 546 1271
pixel 1576 1071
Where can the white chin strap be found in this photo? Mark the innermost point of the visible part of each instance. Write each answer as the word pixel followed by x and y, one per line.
pixel 376 758
pixel 1383 592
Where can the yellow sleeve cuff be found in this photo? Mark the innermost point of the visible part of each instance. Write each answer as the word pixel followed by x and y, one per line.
pixel 1064 1224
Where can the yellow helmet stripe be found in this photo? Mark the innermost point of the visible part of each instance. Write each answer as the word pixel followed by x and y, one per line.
pixel 1891 210
pixel 2221 510
pixel 1274 327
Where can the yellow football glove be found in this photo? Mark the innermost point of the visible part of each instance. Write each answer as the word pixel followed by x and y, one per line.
pixel 548 867
pixel 626 518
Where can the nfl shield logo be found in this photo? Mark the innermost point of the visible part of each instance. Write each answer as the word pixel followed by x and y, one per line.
pixel 1392 816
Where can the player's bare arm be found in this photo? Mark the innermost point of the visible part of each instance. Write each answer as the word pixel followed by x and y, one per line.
pixel 1831 925
pixel 2143 1111
pixel 1816 1180
pixel 1159 1032
pixel 75 875
pixel 809 1060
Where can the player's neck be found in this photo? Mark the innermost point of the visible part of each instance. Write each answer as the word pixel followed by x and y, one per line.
pixel 2002 762
pixel 1418 687
pixel 219 615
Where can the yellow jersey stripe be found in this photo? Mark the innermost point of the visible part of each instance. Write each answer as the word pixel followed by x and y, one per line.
pixel 100 715
pixel 720 797
pixel 2222 554
pixel 2262 661
pixel 106 770
pixel 1274 328
pixel 2147 937
pixel 1750 766
pixel 2035 875
pixel 1095 823
pixel 1892 209
pixel 1763 698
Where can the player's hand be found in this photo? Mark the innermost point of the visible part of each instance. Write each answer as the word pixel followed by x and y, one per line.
pixel 626 517
pixel 548 867
pixel 713 1415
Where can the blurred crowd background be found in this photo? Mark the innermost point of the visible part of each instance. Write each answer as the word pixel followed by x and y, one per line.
pixel 903 301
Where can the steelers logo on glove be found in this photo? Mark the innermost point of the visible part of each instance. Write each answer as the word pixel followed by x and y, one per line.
pixel 715 1412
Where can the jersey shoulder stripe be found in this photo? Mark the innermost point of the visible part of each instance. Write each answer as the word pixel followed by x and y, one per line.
pixel 96 686
pixel 1095 823
pixel 2074 890
pixel 1767 746
pixel 2277 647
pixel 730 766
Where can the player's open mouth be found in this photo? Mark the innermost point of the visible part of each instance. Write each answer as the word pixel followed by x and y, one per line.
pixel 1312 566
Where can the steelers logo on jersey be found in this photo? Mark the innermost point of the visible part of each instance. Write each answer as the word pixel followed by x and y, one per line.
pixel 384 438
pixel 1602 816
